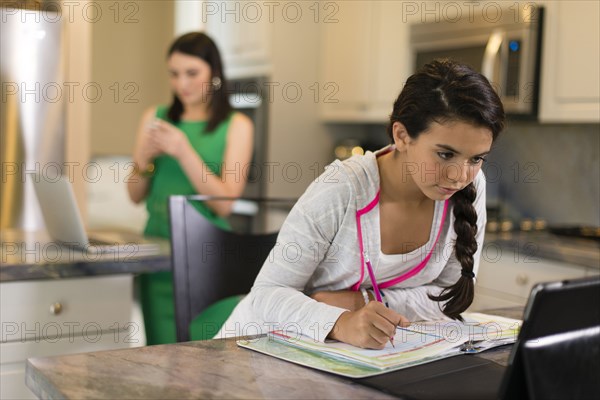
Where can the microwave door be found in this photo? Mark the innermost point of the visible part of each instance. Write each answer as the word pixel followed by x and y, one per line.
pixel 492 61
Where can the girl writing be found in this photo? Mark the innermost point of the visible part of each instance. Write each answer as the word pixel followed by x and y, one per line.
pixel 406 222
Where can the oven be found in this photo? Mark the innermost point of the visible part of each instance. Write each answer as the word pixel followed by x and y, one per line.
pixel 250 97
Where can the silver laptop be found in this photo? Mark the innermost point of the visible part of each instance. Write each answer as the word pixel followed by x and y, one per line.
pixel 65 225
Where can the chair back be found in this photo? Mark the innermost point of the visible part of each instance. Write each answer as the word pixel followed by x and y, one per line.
pixel 211 263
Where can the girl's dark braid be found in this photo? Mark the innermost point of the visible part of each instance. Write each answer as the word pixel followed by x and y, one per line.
pixel 460 295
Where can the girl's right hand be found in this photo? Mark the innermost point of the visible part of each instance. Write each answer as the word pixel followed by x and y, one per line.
pixel 370 327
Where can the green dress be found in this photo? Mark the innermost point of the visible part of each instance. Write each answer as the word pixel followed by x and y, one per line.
pixel 156 289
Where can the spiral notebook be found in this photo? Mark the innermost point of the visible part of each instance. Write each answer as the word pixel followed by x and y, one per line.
pixel 418 344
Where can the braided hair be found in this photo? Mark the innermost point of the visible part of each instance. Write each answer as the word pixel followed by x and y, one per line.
pixel 200 45
pixel 447 91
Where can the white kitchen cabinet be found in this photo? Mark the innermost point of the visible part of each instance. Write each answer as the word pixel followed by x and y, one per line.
pixel 365 60
pixel 505 278
pixel 63 316
pixel 241 30
pixel 570 73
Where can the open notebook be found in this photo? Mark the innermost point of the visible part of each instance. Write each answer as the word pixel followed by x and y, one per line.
pixel 418 344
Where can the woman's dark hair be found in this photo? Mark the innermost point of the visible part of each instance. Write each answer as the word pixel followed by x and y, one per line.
pixel 198 44
pixel 447 91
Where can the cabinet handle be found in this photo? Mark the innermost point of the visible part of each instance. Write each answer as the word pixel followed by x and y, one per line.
pixel 522 279
pixel 56 308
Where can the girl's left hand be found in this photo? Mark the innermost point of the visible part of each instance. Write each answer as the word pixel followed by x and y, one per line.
pixel 168 138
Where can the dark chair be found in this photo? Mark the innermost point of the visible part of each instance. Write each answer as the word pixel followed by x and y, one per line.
pixel 211 263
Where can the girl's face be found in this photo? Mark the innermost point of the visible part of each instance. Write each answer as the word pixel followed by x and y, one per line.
pixel 445 158
pixel 190 78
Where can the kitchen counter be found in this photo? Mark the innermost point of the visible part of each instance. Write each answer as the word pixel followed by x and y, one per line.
pixel 202 369
pixel 540 244
pixel 33 256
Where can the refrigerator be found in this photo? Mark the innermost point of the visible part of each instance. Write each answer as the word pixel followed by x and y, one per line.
pixel 32 112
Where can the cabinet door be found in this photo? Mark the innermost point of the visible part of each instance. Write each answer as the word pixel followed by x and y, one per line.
pixel 13 357
pixel 241 32
pixel 347 53
pixel 366 55
pixel 511 276
pixel 570 86
pixel 393 64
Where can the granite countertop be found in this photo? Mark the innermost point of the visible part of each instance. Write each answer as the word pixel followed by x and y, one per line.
pixel 201 369
pixel 541 244
pixel 33 256
pixel 193 370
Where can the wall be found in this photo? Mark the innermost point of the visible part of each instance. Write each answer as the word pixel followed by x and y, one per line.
pixel 129 44
pixel 548 171
pixel 298 142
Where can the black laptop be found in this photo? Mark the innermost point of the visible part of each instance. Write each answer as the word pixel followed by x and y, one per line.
pixel 556 356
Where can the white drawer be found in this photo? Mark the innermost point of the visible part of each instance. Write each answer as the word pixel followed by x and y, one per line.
pixel 12 383
pixel 82 306
pixel 13 356
pixel 18 352
pixel 517 274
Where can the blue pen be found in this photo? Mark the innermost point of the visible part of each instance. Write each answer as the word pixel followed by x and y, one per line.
pixel 375 286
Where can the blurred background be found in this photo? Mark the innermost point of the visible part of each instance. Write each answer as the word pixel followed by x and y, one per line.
pixel 318 78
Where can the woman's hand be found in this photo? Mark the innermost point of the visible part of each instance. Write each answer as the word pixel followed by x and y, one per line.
pixel 147 149
pixel 168 139
pixel 370 327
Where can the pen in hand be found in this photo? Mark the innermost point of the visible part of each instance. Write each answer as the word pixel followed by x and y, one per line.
pixel 376 291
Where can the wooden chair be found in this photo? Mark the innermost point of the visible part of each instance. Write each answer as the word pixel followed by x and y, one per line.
pixel 211 263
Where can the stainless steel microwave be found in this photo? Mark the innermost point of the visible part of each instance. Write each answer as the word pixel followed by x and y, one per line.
pixel 505 47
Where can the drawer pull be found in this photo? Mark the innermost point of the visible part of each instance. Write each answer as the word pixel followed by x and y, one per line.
pixel 56 308
pixel 522 279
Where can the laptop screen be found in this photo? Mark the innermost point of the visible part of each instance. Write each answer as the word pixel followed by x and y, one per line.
pixel 557 353
pixel 59 208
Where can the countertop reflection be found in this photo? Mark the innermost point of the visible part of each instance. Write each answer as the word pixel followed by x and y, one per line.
pixel 32 255
pixel 542 244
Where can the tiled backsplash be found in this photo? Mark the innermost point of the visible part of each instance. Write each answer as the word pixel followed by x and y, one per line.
pixel 547 171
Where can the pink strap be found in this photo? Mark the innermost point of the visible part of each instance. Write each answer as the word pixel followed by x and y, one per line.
pixel 418 268
pixel 360 213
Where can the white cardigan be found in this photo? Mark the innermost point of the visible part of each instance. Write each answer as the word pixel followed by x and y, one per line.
pixel 318 249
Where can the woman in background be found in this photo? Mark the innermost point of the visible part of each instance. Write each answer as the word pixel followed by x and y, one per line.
pixel 180 150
